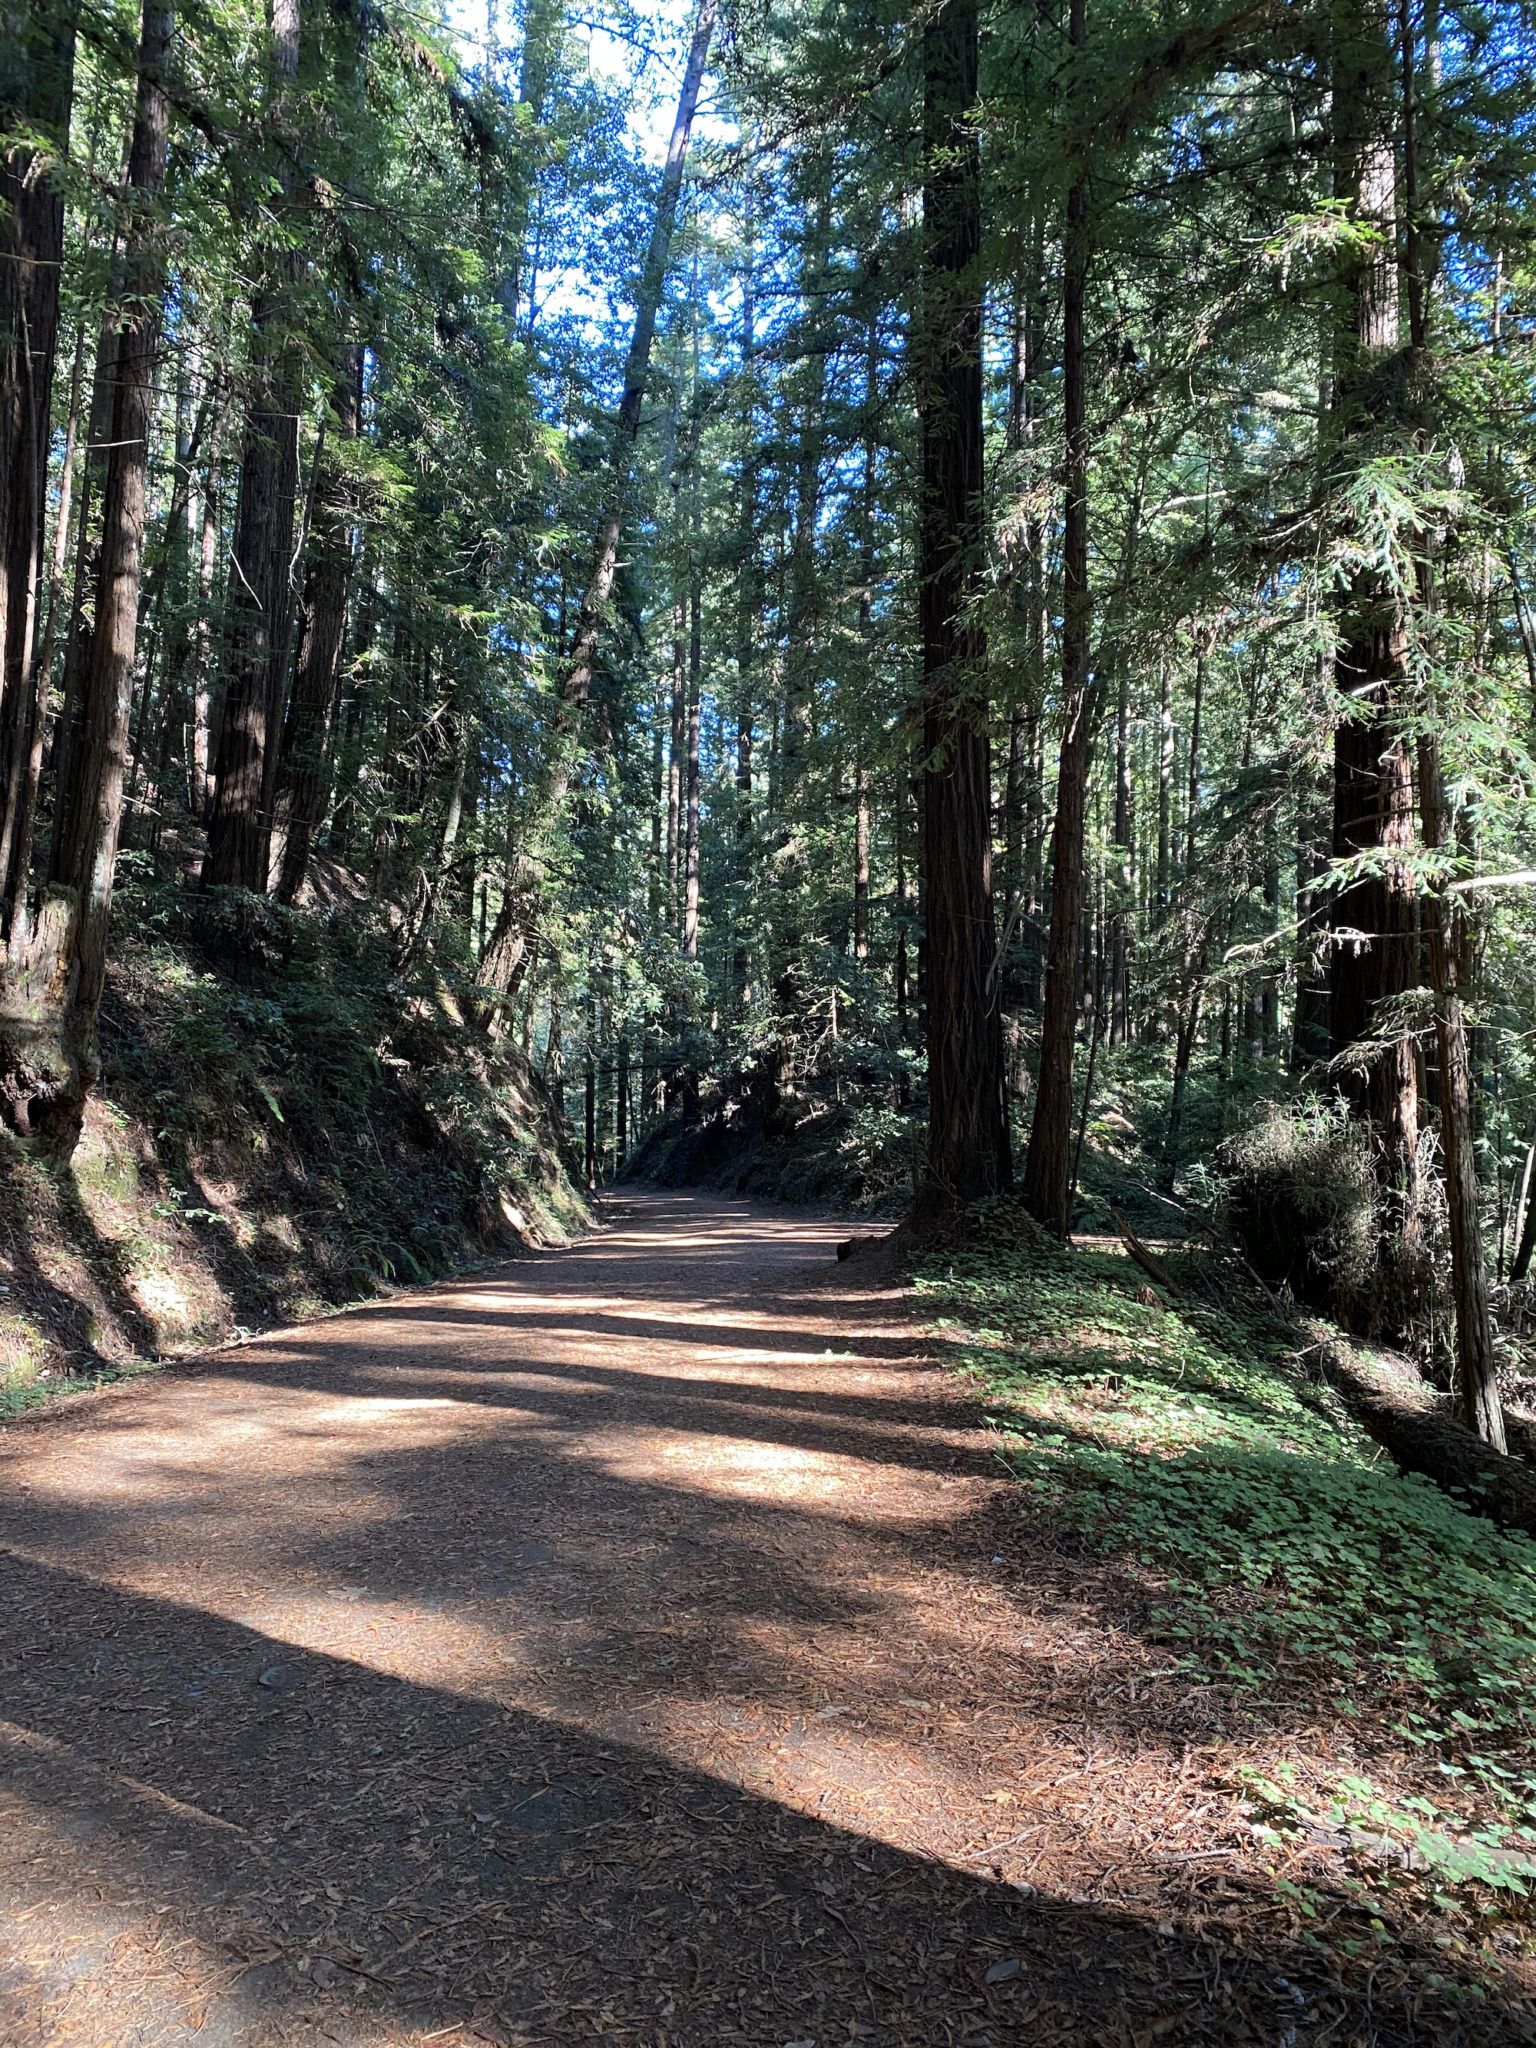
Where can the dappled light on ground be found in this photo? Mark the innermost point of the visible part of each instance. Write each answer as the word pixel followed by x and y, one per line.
pixel 639 1645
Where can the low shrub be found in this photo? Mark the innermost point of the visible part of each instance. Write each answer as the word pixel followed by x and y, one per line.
pixel 1300 1196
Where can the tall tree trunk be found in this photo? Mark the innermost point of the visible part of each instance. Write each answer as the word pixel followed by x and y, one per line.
pixel 1121 896
pixel 862 779
pixel 195 629
pixel 1164 783
pixel 1374 953
pixel 506 951
pixel 802 653
pixel 67 732
pixel 1477 1382
pixel 436 871
pixel 59 556
pixel 1123 908
pixel 967 1154
pixel 900 966
pixel 48 1053
pixel 163 680
pixel 260 590
pixel 749 597
pixel 589 1090
pixel 35 100
pixel 1196 762
pixel 862 790
pixel 1048 1164
pixel 304 788
pixel 201 788
pixel 1444 926
pixel 691 787
pixel 677 747
pixel 654 877
pixel 1014 798
pixel 1028 401
pixel 1269 984
pixel 1184 1048
pixel 1310 1021
pixel 1525 1242
pixel 577 680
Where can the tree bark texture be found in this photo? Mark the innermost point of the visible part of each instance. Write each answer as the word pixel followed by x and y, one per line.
pixel 1048 1163
pixel 37 70
pixel 260 594
pixel 1373 947
pixel 55 980
pixel 304 789
pixel 967 1155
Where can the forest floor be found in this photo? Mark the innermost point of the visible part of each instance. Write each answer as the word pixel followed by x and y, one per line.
pixel 640 1643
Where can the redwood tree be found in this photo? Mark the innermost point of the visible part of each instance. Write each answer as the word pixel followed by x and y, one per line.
pixel 57 973
pixel 260 589
pixel 305 780
pixel 1048 1163
pixel 37 61
pixel 1374 948
pixel 967 1154
pixel 504 957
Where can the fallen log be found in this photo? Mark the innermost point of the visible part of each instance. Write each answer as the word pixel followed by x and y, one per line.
pixel 1417 1428
pixel 1149 1263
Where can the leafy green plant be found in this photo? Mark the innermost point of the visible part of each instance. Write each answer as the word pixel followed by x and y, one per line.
pixel 1283 1555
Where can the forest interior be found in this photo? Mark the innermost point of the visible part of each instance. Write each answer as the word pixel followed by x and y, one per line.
pixel 767 1022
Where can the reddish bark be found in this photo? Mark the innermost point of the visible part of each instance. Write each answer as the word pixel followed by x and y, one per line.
pixel 967 1155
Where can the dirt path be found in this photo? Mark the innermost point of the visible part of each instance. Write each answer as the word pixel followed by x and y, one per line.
pixel 634 1645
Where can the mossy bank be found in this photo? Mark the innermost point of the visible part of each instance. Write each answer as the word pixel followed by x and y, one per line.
pixel 288 1120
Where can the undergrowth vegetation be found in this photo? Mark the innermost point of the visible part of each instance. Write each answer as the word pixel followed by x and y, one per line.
pixel 1282 1557
pixel 285 1123
pixel 858 1156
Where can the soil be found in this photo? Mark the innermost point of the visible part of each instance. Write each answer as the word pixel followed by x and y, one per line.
pixel 638 1643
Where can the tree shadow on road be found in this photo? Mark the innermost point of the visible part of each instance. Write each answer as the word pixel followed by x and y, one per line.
pixel 291 1847
pixel 393 1680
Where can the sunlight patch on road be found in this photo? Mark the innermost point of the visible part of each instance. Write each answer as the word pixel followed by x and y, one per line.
pixel 737 1466
pixel 207 1454
pixel 362 1408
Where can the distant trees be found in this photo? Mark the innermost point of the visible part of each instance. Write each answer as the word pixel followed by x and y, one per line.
pixel 507 950
pixel 216 661
pixel 261 568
